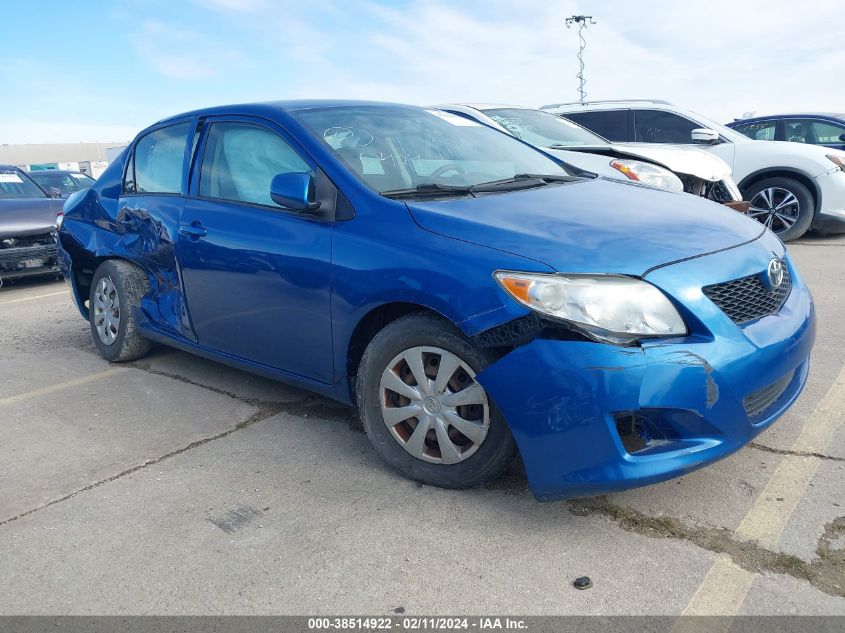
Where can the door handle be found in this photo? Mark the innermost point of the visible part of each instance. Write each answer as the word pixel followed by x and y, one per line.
pixel 194 230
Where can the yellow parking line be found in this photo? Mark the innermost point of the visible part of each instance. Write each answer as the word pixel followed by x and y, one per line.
pixel 767 519
pixel 35 393
pixel 721 592
pixel 723 589
pixel 49 294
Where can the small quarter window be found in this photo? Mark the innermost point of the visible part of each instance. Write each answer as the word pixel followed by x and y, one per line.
pixel 158 161
pixel 759 131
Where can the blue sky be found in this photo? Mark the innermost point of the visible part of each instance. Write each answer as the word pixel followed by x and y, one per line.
pixel 101 70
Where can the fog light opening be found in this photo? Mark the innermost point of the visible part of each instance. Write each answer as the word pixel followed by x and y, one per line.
pixel 633 431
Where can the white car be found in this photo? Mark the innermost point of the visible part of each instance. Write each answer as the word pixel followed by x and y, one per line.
pixel 673 168
pixel 792 187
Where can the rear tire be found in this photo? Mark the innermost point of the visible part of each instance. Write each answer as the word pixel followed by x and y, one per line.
pixel 461 461
pixel 783 204
pixel 116 292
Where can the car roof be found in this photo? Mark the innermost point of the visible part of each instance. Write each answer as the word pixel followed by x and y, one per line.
pixel 263 107
pixel 488 106
pixel 800 115
pixel 609 103
pixel 10 167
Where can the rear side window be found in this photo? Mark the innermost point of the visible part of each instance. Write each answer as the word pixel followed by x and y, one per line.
pixel 611 124
pixel 759 131
pixel 657 126
pixel 158 161
pixel 240 161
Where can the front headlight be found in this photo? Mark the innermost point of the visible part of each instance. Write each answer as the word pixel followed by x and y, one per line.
pixel 648 174
pixel 612 308
pixel 840 162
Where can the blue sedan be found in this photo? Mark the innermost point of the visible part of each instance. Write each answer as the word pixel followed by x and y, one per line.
pixel 474 297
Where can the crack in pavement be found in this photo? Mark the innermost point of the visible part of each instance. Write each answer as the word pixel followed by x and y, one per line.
pixel 307 405
pixel 784 451
pixel 826 573
pixel 314 405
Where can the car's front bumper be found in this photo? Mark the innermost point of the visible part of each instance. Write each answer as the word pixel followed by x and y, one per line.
pixel 571 404
pixel 28 261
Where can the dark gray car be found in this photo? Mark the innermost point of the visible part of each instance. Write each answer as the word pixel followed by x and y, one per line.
pixel 65 181
pixel 27 226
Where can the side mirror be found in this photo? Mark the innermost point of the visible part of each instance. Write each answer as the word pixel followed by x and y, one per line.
pixel 704 135
pixel 842 137
pixel 294 191
pixel 54 192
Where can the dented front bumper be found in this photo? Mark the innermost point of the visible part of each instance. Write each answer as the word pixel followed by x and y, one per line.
pixel 591 418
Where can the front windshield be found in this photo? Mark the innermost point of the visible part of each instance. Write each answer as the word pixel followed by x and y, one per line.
pixel 395 147
pixel 66 183
pixel 543 129
pixel 16 184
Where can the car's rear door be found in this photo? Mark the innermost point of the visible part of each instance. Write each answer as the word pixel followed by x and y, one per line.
pixel 256 276
pixel 149 207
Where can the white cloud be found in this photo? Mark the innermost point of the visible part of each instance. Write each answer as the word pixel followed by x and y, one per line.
pixel 182 53
pixel 721 61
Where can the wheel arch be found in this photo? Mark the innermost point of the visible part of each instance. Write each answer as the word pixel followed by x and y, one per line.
pixel 82 265
pixel 783 172
pixel 371 324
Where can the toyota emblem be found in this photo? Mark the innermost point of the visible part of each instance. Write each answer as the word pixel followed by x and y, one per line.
pixel 775 273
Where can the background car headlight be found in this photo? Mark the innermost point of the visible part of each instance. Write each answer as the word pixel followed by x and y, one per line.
pixel 612 308
pixel 649 174
pixel 838 160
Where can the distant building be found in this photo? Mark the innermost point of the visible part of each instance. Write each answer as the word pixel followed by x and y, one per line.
pixel 58 155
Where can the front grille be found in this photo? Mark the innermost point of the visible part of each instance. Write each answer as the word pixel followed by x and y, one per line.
pixel 758 401
pixel 749 298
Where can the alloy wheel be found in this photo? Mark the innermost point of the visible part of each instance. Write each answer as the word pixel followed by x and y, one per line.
pixel 776 207
pixel 433 405
pixel 106 310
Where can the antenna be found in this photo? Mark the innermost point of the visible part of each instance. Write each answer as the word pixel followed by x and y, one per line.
pixel 583 21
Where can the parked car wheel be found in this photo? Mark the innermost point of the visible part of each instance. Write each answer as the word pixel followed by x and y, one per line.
pixel 423 409
pixel 782 204
pixel 116 291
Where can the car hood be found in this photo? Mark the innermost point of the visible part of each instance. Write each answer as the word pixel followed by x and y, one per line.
pixel 598 225
pixel 684 160
pixel 28 216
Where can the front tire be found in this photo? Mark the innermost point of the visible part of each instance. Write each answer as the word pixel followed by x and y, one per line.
pixel 423 410
pixel 116 292
pixel 784 205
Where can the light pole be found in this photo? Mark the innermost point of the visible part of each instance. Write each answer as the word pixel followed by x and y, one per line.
pixel 583 21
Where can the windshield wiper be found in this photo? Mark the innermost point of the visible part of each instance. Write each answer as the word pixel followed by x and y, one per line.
pixel 548 177
pixel 428 189
pixel 519 181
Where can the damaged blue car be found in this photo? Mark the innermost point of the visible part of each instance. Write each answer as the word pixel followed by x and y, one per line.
pixel 474 297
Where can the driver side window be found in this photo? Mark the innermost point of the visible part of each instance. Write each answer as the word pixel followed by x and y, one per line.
pixel 240 161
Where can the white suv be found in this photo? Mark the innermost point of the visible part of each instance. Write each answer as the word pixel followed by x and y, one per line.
pixel 792 187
